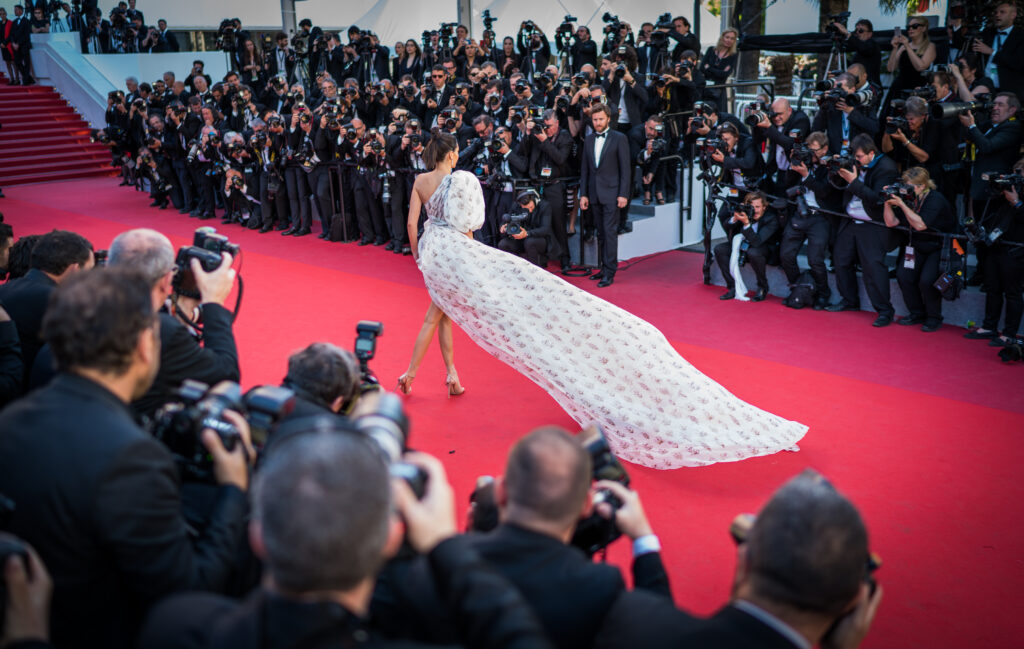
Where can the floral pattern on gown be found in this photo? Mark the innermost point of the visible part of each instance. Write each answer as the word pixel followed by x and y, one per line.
pixel 599 362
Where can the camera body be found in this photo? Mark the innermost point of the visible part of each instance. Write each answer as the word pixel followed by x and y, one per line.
pixel 594 533
pixel 998 183
pixel 840 18
pixel 801 154
pixel 901 189
pixel 957 108
pixel 515 220
pixel 897 124
pixel 207 247
pixel 367 332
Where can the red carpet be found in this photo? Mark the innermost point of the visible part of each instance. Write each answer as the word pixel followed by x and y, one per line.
pixel 922 431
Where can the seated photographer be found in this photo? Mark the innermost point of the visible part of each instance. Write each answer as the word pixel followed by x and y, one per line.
pixel 527 231
pixel 749 227
pixel 1004 272
pixel 323 548
pixel 860 241
pixel 653 146
pixel 325 379
pixel 840 118
pixel 808 222
pixel 105 512
pixel 927 211
pixel 706 119
pixel 778 130
pixel 55 257
pixel 181 355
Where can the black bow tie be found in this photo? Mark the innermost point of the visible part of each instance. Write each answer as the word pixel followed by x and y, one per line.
pixel 600 134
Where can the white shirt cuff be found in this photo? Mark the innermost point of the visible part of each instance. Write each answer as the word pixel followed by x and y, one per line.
pixel 645 545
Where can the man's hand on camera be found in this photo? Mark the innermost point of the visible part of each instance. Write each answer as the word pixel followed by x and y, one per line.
pixel 741 217
pixel 231 467
pixel 27 614
pixel 630 518
pixel 800 168
pixel 848 175
pixel 843 106
pixel 842 30
pixel 717 156
pixel 1011 195
pixel 967 119
pixel 432 519
pixel 850 630
pixel 215 287
pixel 764 123
pixel 522 235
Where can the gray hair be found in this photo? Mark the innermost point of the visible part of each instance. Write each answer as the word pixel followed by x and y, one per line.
pixel 323 503
pixel 916 106
pixel 146 251
pixel 132 79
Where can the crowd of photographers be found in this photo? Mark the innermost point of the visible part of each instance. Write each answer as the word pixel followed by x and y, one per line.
pixel 326 131
pixel 141 507
pixel 929 168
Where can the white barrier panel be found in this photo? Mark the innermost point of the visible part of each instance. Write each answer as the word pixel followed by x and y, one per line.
pixel 58 62
pixel 150 67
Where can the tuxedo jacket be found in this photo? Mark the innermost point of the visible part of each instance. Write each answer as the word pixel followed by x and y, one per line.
pixel 883 172
pixel 732 628
pixel 636 98
pixel 274 69
pixel 25 299
pixel 21 32
pixel 996 149
pixel 604 180
pixel 774 138
pixel 831 121
pixel 767 227
pixel 1009 59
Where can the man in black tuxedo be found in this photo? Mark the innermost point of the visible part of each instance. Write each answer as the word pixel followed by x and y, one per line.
pixel 758 227
pixel 281 59
pixel 781 130
pixel 843 122
pixel 56 257
pixel 740 160
pixel 865 50
pixel 547 152
pixel 181 356
pixel 21 41
pixel 166 40
pixel 859 240
pixel 97 496
pixel 605 185
pixel 1004 45
pixel 323 534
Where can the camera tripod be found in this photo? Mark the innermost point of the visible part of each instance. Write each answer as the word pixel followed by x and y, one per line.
pixel 837 54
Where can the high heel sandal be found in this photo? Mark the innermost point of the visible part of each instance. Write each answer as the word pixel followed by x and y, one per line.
pixel 405 383
pixel 647 198
pixel 660 199
pixel 453 385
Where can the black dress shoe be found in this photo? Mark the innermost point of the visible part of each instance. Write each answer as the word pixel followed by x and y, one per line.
pixel 163 205
pixel 184 210
pixel 390 246
pixel 607 281
pixel 289 232
pixel 999 341
pixel 284 225
pixel 406 250
pixel 379 242
pixel 397 250
pixel 760 296
pixel 841 306
pixel 728 295
pixel 255 225
pixel 267 227
pixel 820 304
pixel 929 327
pixel 365 242
pixel 566 268
pixel 979 335
pixel 207 217
pixel 882 321
pixel 910 320
pixel 596 276
pixel 322 235
pixel 301 233
pixel 155 204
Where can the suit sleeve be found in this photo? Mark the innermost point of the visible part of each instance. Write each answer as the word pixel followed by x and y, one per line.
pixel 585 172
pixel 216 360
pixel 1002 138
pixel 625 169
pixel 649 575
pixel 865 122
pixel 139 518
pixel 544 212
pixel 1012 58
pixel 11 368
pixel 769 225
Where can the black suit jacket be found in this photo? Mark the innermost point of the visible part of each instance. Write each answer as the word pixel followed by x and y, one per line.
pixel 831 121
pixel 12 372
pixel 99 500
pixel 1009 59
pixel 767 227
pixel 181 356
pixel 883 172
pixel 636 99
pixel 25 300
pixel 747 161
pixel 274 69
pixel 996 150
pixel 776 138
pixel 21 32
pixel 603 182
pixel 732 628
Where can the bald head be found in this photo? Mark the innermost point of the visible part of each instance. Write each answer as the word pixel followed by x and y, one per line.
pixel 547 478
pixel 144 250
pixel 782 109
pixel 859 72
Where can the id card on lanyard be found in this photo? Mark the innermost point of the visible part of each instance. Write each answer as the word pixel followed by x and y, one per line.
pixel 846 134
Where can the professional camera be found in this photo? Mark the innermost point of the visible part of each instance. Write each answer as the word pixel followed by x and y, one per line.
pixel 488 19
pixel 957 108
pixel 862 97
pixel 903 190
pixel 494 145
pixel 388 427
pixel 226 37
pixel 977 234
pixel 831 29
pixel 115 96
pixel 801 154
pixel 757 112
pixel 712 144
pixel 620 70
pixel 1001 182
pixel 566 28
pixel 207 246
pixel 836 162
pixel 829 98
pixel 745 209
pixel 830 83
pixel 897 124
pixel 924 92
pixel 594 533
pixel 180 424
pixel 515 220
pixel 664 21
pixel 139 104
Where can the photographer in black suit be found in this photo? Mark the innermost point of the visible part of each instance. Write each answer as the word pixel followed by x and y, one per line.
pixel 97 496
pixel 865 50
pixel 547 149
pixel 809 223
pixel 781 127
pixel 323 534
pixel 840 120
pixel 56 257
pixel 739 158
pixel 1003 44
pixel 757 223
pixel 325 379
pixel 181 355
pixel 858 240
pixel 605 186
pixel 527 231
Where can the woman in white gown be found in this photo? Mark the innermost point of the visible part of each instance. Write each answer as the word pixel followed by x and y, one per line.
pixel 599 362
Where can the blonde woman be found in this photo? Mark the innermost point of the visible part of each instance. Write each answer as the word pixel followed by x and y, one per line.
pixel 718 64
pixel 912 54
pixel 926 211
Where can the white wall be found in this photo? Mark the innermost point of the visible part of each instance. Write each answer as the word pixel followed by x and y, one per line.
pixel 801 16
pixel 150 67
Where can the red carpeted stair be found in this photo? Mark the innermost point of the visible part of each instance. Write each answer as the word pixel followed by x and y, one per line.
pixel 42 138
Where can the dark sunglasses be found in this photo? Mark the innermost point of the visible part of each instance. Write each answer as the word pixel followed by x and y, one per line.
pixel 915 26
pixel 861 30
pixel 437 76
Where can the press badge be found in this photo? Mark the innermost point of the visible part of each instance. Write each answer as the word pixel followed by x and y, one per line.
pixel 908 258
pixel 733 192
pixel 545 172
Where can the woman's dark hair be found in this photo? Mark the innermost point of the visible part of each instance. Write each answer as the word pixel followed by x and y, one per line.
pixel 441 144
pixel 21 255
pixel 971 60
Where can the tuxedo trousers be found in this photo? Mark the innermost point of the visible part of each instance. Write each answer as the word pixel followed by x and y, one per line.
pixel 868 243
pixel 606 217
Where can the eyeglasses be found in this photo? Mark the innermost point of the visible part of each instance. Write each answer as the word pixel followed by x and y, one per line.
pixel 915 26
pixel 437 76
pixel 861 30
